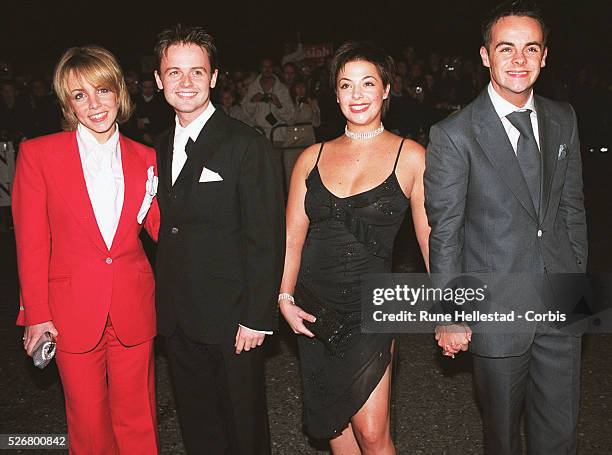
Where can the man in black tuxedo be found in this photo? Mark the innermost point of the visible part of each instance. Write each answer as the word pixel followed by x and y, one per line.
pixel 220 254
pixel 503 193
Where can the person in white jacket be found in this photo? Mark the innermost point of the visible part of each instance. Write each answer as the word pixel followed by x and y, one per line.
pixel 267 102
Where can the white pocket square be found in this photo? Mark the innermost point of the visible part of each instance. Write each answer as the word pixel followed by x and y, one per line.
pixel 209 176
pixel 562 152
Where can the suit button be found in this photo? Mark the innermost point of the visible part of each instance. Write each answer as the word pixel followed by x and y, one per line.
pixel 539 232
pixel 109 260
pixel 578 262
pixel 174 230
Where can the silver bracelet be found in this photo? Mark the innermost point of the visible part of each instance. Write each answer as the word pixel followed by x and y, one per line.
pixel 286 296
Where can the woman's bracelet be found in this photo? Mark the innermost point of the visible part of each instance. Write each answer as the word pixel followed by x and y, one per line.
pixel 286 296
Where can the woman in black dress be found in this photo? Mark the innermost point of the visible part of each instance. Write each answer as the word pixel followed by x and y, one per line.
pixel 347 200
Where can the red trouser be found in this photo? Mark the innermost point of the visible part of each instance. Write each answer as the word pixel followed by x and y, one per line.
pixel 110 398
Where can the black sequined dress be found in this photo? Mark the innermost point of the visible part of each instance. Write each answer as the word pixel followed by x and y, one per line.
pixel 347 237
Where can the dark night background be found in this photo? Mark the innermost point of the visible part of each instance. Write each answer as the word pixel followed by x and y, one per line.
pixel 34 33
pixel 434 410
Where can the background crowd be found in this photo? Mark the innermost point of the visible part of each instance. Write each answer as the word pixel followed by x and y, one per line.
pixel 427 87
pixel 289 99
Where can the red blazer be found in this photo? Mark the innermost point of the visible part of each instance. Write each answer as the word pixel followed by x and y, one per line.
pixel 67 273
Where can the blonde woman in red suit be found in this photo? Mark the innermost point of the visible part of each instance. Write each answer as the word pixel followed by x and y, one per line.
pixel 80 200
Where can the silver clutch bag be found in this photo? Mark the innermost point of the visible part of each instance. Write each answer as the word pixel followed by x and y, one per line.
pixel 44 351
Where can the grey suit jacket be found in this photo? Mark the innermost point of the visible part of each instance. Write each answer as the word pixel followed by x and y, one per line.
pixel 480 211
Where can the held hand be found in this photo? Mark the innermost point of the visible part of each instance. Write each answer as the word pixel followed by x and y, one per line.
pixel 257 97
pixel 453 338
pixel 33 333
pixel 247 339
pixel 295 317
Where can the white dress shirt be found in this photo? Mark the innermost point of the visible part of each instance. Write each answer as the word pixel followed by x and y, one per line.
pixel 182 135
pixel 179 157
pixel 103 174
pixel 503 108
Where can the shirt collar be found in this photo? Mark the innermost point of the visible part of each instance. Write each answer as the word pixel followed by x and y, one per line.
pixel 89 143
pixel 503 107
pixel 194 128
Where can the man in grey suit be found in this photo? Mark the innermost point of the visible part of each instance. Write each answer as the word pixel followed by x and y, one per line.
pixel 503 193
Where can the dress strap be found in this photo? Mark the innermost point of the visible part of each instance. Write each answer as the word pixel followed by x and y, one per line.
pixel 319 155
pixel 317 162
pixel 397 157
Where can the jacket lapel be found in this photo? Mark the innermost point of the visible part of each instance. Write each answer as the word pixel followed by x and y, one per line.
pixel 70 182
pixel 494 142
pixel 549 132
pixel 200 151
pixel 164 160
pixel 134 181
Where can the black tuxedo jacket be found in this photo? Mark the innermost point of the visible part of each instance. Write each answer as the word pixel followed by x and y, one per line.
pixel 221 243
pixel 480 211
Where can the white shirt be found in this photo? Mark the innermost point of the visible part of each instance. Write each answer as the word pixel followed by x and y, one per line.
pixel 103 174
pixel 503 108
pixel 182 135
pixel 179 157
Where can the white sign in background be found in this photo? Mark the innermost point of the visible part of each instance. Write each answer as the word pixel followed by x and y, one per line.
pixel 7 172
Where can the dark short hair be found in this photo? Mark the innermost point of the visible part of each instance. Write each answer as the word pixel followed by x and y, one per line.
pixel 520 8
pixel 299 81
pixel 266 59
pixel 180 35
pixel 363 51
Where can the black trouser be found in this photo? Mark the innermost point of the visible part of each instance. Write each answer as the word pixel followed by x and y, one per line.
pixel 220 397
pixel 546 379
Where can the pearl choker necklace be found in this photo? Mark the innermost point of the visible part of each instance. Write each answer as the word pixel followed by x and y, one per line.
pixel 367 135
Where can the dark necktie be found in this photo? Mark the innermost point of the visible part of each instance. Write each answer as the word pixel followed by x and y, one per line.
pixel 527 153
pixel 188 147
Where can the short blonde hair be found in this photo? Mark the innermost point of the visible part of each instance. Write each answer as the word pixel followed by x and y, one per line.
pixel 98 67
